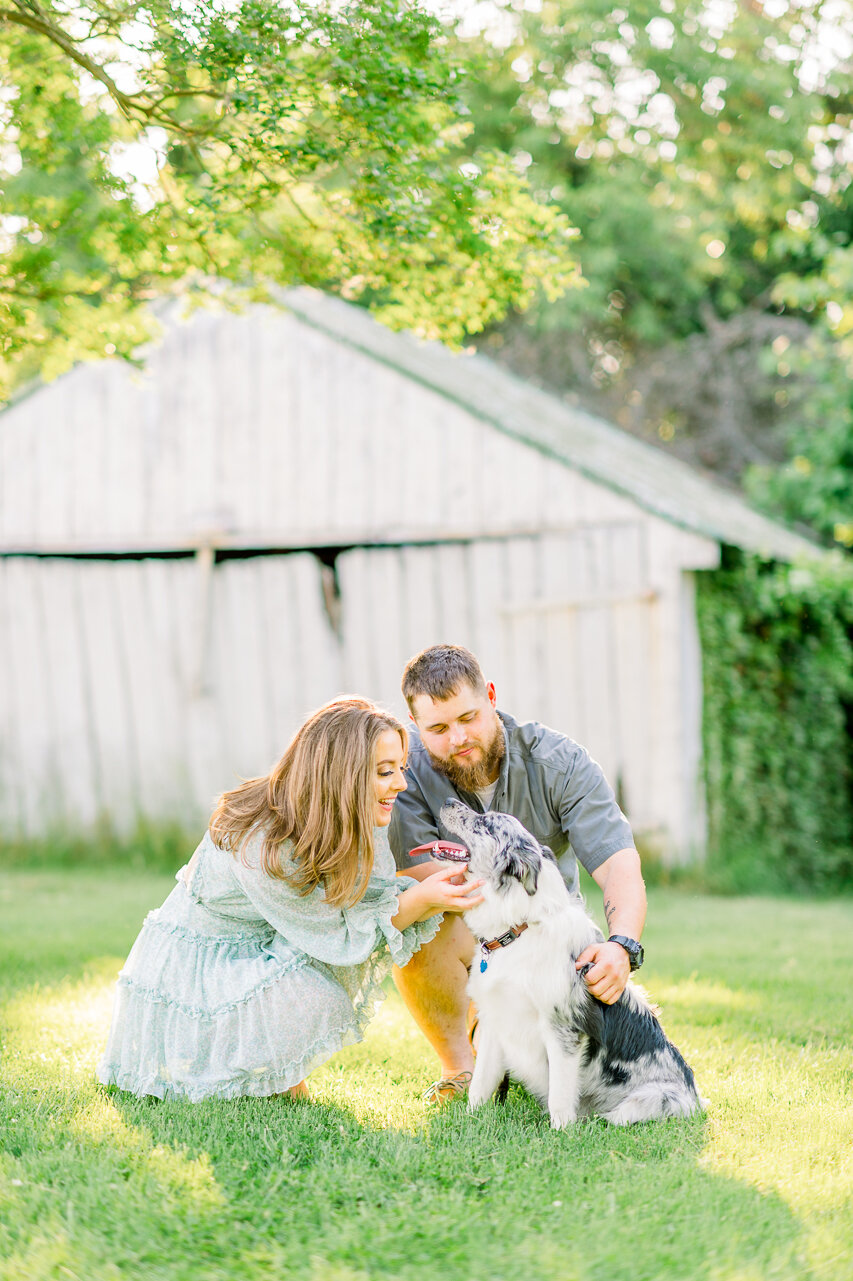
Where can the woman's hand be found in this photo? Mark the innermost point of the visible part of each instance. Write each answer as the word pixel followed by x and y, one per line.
pixel 448 891
pixel 441 891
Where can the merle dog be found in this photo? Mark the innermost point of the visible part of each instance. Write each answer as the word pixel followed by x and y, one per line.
pixel 538 1020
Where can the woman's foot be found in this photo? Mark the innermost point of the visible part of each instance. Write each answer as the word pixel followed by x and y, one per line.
pixel 299 1091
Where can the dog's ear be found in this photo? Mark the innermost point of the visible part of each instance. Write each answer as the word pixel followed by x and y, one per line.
pixel 548 852
pixel 520 863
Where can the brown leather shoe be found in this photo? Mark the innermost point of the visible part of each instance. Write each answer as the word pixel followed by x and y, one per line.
pixel 447 1089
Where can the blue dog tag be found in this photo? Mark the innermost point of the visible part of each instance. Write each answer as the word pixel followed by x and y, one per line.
pixel 483 964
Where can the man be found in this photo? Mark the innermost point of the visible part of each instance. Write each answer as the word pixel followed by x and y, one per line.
pixel 463 746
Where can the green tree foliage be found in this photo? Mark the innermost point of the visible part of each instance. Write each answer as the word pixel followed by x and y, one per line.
pixel 703 150
pixel 778 692
pixel 815 486
pixel 310 142
pixel 681 138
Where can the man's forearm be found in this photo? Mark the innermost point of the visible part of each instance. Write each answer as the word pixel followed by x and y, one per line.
pixel 620 879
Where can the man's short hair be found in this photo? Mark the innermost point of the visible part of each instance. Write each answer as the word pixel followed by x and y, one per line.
pixel 439 671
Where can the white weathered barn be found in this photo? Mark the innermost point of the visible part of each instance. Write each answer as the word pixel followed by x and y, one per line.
pixel 287 504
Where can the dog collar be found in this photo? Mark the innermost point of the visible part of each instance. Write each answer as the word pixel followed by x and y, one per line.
pixel 503 940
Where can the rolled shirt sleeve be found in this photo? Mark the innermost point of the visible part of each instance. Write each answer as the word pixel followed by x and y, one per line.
pixel 589 813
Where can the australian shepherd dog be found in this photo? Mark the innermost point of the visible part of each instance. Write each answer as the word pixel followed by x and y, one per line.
pixel 538 1022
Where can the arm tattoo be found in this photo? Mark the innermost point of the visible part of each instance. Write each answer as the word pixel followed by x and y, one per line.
pixel 609 909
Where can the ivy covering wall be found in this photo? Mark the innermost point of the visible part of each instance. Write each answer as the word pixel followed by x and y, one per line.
pixel 777 645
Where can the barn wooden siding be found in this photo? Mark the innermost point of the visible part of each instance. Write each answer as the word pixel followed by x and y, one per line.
pixel 145 686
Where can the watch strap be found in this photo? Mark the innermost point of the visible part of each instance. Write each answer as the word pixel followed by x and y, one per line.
pixel 631 946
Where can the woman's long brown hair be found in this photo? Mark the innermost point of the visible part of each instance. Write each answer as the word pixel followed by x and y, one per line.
pixel 321 797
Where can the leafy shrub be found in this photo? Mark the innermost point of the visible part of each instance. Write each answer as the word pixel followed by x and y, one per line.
pixel 778 679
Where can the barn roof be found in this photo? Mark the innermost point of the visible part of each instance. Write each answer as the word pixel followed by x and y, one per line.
pixel 665 486
pixel 312 425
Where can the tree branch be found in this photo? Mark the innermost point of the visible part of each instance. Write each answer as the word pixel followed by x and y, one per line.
pixel 39 23
pixel 134 106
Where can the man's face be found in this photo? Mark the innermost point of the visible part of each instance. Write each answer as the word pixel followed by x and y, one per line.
pixel 462 734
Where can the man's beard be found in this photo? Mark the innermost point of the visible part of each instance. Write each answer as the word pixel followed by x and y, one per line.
pixel 475 777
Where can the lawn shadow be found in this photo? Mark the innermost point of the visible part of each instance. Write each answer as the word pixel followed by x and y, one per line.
pixel 256 1189
pixel 499 1194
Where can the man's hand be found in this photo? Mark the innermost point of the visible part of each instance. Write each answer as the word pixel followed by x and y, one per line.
pixel 624 894
pixel 611 968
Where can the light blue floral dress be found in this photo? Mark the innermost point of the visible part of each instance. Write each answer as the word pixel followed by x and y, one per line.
pixel 239 985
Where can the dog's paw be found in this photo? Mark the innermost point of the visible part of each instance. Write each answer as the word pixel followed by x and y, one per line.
pixel 562 1119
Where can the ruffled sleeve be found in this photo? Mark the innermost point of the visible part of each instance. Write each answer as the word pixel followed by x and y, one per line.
pixel 336 936
pixel 383 883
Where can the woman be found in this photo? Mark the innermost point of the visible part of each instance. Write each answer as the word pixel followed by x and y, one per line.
pixel 267 956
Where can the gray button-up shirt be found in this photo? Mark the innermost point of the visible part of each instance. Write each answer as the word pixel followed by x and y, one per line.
pixel 550 783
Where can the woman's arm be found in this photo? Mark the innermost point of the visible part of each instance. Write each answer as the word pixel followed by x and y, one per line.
pixel 437 892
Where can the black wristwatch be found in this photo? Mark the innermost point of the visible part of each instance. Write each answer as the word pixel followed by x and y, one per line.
pixel 632 947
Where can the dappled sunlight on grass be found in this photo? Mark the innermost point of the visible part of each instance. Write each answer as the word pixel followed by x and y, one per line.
pixel 61 1030
pixel 693 993
pixel 100 1122
pixel 381 1079
pixel 52 1254
pixel 779 1123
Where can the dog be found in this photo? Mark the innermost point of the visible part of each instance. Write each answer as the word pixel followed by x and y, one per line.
pixel 538 1021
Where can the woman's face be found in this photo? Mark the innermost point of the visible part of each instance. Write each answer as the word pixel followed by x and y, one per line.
pixel 389 775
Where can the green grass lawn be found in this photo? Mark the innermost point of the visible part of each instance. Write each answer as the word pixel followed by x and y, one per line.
pixel 363 1184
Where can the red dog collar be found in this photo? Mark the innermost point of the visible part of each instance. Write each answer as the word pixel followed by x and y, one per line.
pixel 445 850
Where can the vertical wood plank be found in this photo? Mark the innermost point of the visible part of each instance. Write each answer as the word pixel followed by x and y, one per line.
pixel 320 675
pixel 421 621
pixel 632 678
pixel 453 592
pixel 216 383
pixel 317 473
pixel 272 344
pixel 12 808
pixel 108 682
pixel 152 716
pixel 164 413
pixel 120 412
pixel 239 683
pixel 691 841
pixel 212 765
pixel 523 629
pixel 559 629
pixel 38 774
pixel 358 669
pixel 361 447
pixel 65 681
pixel 168 624
pixel 489 590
